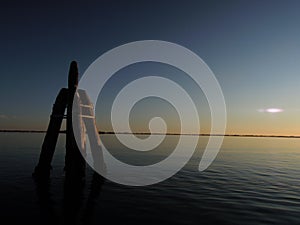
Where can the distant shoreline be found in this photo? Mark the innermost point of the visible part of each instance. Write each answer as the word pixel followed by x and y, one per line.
pixel 175 134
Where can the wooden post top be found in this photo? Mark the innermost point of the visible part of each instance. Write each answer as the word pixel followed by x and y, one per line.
pixel 73 76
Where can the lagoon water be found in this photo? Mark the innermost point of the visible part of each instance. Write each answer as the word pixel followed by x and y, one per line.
pixel 252 181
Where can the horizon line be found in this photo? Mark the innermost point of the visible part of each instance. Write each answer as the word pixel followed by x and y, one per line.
pixel 158 133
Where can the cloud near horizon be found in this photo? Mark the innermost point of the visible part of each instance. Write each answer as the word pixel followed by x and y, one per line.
pixel 2 116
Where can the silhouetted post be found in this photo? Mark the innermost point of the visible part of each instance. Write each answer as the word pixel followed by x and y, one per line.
pixel 83 121
pixel 74 162
pixel 42 170
pixel 89 121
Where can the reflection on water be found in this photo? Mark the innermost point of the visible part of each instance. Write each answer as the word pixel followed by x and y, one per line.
pixel 75 209
pixel 252 181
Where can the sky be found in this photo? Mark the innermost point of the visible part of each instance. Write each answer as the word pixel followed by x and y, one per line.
pixel 253 48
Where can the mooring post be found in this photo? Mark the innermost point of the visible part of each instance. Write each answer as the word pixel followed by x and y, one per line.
pixel 42 170
pixel 89 120
pixel 74 161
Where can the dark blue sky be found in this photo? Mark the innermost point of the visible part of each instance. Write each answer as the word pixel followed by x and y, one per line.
pixel 253 47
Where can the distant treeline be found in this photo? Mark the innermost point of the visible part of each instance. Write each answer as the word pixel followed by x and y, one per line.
pixel 147 133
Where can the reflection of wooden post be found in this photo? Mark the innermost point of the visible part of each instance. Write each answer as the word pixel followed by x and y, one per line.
pixel 74 162
pixel 44 166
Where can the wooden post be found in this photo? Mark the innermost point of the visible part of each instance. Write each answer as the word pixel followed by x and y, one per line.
pixel 89 121
pixel 42 170
pixel 74 162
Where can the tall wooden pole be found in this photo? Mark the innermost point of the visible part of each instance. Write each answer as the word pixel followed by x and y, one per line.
pixel 74 162
pixel 42 170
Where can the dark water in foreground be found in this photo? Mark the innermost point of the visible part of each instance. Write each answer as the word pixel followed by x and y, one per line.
pixel 252 181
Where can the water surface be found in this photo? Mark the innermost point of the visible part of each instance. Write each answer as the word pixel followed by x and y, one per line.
pixel 252 181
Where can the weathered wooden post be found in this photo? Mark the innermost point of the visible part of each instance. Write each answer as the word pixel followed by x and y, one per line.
pixel 74 162
pixel 89 120
pixel 42 170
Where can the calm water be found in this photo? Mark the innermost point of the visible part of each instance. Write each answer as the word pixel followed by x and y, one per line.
pixel 252 181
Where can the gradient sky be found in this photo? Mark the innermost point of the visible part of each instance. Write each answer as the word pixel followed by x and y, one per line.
pixel 253 47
